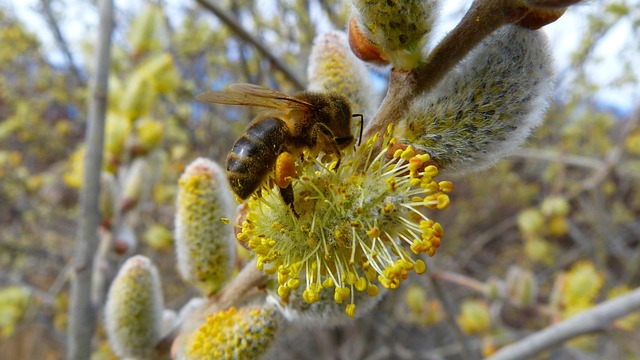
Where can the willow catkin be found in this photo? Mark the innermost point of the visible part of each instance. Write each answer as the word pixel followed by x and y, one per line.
pixel 134 309
pixel 205 245
pixel 486 106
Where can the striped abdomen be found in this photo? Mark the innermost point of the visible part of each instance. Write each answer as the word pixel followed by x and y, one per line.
pixel 254 155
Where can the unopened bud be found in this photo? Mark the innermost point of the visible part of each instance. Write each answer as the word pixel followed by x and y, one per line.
pixel 138 97
pixel 107 200
pixel 149 134
pixel 124 241
pixel 531 221
pixel 555 206
pixel 474 317
pixel 494 288
pixel 521 286
pixel 400 29
pixel 134 183
pixel 205 246
pixel 117 130
pixel 145 30
pixel 134 308
pixel 362 47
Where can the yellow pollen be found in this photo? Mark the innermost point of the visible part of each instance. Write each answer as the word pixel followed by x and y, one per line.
pixel 327 283
pixel 388 208
pixel 446 186
pixel 431 171
pixel 351 310
pixel 408 153
pixel 293 283
pixel 424 157
pixel 443 201
pixel 420 267
pixel 283 291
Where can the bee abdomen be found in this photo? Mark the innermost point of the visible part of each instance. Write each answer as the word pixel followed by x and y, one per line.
pixel 254 154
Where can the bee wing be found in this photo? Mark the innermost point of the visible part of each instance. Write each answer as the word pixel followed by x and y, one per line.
pixel 250 94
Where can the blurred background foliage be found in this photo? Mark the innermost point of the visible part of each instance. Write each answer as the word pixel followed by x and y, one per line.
pixel 563 211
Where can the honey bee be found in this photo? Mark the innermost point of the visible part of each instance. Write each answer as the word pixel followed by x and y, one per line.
pixel 288 125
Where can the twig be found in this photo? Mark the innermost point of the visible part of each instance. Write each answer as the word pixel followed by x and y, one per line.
pixel 483 18
pixel 226 18
pixel 470 283
pixel 613 157
pixel 480 287
pixel 595 319
pixel 467 353
pixel 81 309
pixel 62 43
pixel 557 156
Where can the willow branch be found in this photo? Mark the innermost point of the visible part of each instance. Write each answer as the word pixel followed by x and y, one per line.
pixel 81 309
pixel 482 19
pixel 62 43
pixel 467 352
pixel 614 156
pixel 237 28
pixel 557 156
pixel 596 319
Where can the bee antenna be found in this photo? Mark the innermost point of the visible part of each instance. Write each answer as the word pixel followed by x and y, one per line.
pixel 361 126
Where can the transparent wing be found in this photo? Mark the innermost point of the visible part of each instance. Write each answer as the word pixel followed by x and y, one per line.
pixel 250 94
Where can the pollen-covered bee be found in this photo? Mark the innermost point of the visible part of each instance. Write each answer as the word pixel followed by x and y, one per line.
pixel 289 124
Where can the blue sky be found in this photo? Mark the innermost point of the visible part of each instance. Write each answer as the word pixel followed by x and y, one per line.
pixel 565 36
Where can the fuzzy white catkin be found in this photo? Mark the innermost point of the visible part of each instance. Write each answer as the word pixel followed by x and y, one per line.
pixel 333 67
pixel 137 177
pixel 487 106
pixel 134 309
pixel 205 246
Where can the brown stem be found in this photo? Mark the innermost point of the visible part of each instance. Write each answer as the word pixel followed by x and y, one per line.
pixel 483 18
pixel 462 280
pixel 60 40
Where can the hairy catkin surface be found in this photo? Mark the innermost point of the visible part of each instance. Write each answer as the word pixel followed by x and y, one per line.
pixel 487 106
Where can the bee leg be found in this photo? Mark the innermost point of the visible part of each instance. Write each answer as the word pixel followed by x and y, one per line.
pixel 285 172
pixel 287 196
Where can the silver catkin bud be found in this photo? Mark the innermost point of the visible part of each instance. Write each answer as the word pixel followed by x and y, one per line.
pixel 205 246
pixel 487 106
pixel 134 309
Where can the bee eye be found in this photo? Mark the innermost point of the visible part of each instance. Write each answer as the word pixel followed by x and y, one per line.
pixel 343 141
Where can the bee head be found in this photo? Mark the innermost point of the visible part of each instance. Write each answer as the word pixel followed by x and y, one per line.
pixel 339 121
